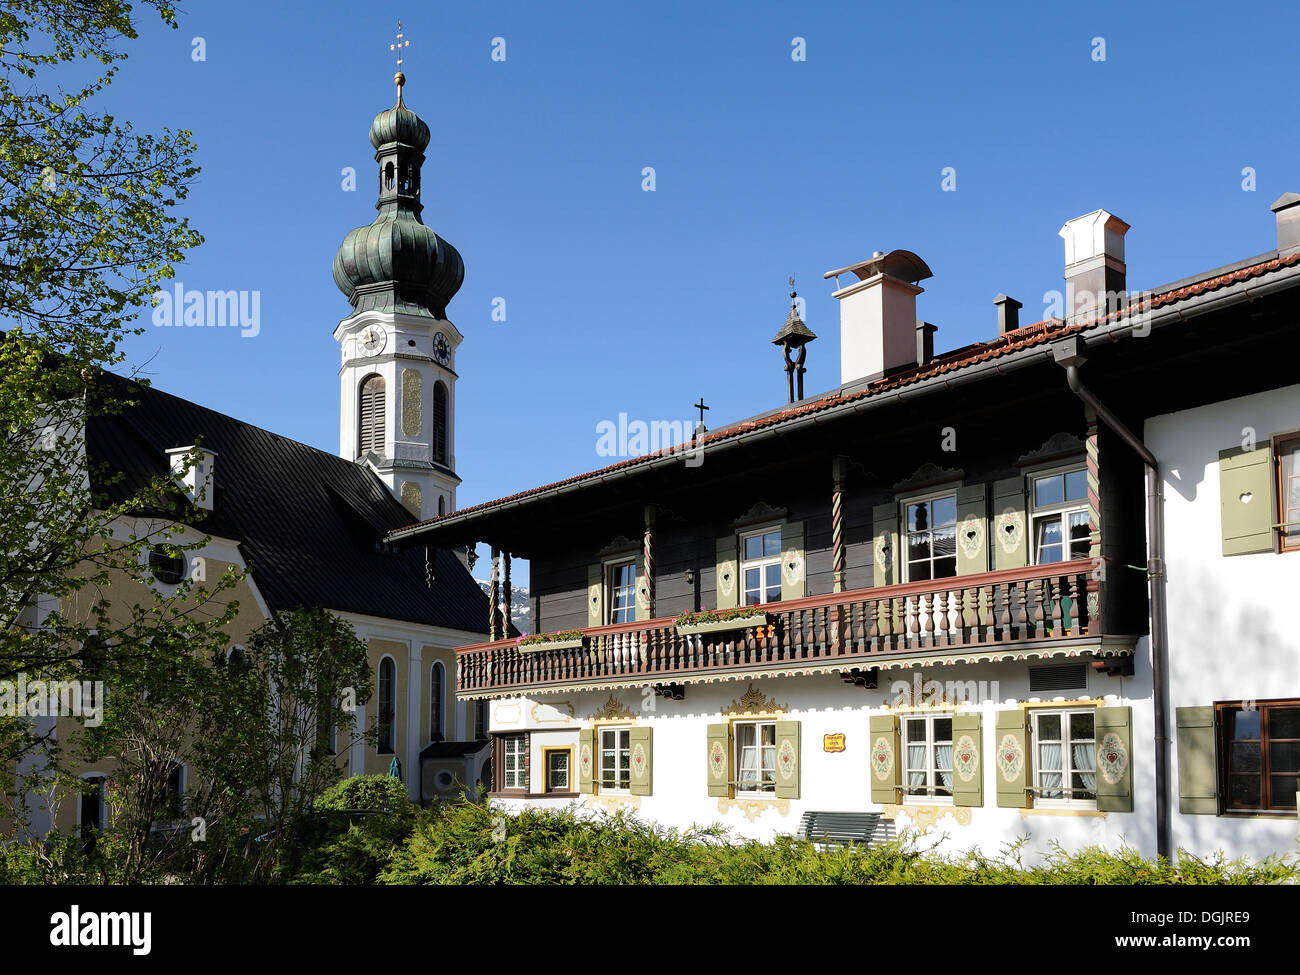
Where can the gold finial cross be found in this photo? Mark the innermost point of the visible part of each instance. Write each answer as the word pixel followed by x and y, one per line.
pixel 399 45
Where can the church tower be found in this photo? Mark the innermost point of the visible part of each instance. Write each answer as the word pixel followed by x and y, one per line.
pixel 398 375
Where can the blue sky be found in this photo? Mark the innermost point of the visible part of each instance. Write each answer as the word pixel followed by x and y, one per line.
pixel 621 300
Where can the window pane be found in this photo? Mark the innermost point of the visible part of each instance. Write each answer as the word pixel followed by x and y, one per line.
pixel 1076 485
pixel 1081 727
pixel 918 571
pixel 1245 757
pixel 1281 791
pixel 772 544
pixel 773 583
pixel 751 580
pixel 1049 490
pixel 1080 540
pixel 1049 726
pixel 1284 756
pixel 1245 724
pixel 1284 722
pixel 918 547
pixel 917 517
pixel 944 542
pixel 943 729
pixel 1243 790
pixel 1048 536
pixel 754 547
pixel 943 511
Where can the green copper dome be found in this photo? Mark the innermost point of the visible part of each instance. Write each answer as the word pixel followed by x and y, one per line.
pixel 398 264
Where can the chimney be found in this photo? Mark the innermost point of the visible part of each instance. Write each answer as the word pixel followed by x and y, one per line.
pixel 925 342
pixel 1008 314
pixel 1287 208
pixel 879 333
pixel 197 481
pixel 1094 264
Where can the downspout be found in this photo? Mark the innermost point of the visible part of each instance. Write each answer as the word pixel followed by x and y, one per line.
pixel 1070 356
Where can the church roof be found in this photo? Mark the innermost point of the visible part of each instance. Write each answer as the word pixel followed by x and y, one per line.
pixel 307 522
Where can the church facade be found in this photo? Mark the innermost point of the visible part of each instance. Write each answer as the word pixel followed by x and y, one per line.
pixel 308 527
pixel 1035 587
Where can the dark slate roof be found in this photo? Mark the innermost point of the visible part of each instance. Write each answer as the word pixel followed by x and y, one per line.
pixel 455 749
pixel 306 521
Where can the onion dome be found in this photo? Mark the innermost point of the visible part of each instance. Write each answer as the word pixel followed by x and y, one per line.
pixel 396 263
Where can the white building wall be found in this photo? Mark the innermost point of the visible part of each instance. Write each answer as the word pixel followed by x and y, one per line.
pixel 1233 633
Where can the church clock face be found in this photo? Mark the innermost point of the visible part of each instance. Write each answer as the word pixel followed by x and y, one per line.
pixel 441 349
pixel 372 341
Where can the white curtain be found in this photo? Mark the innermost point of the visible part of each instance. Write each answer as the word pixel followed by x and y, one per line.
pixel 749 766
pixel 916 766
pixel 943 763
pixel 1085 764
pixel 1049 758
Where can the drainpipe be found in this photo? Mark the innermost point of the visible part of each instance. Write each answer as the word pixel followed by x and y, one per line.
pixel 1069 354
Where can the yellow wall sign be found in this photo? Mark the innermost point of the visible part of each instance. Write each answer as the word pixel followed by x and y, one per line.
pixel 833 743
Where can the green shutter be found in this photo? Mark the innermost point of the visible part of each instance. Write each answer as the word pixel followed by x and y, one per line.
pixel 640 741
pixel 972 531
pixel 884 544
pixel 596 595
pixel 883 758
pixel 1198 780
pixel 1114 732
pixel 726 581
pixel 794 575
pixel 642 590
pixel 719 759
pixel 787 759
pixel 1009 529
pixel 586 759
pixel 1011 759
pixel 1246 500
pixel 967 766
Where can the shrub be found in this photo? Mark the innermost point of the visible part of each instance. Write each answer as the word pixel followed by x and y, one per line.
pixel 378 793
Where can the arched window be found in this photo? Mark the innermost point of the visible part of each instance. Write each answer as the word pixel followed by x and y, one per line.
pixel 389 179
pixel 435 702
pixel 387 710
pixel 439 423
pixel 442 505
pixel 370 420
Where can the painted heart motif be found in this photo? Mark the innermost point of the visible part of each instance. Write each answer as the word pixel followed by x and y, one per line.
pixel 1112 757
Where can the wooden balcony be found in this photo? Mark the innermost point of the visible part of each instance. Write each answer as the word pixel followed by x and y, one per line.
pixel 1035 611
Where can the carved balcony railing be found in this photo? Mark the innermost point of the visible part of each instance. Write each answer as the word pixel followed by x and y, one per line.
pixel 1014 606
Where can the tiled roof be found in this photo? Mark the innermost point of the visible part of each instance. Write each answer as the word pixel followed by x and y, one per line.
pixel 1027 336
pixel 307 521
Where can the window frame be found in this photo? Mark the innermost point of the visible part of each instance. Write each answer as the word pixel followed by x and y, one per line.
pixel 905 563
pixel 547 752
pixel 437 702
pixel 761 563
pixel 1067 769
pixel 1223 759
pixel 1062 509
pixel 736 755
pixel 380 748
pixel 521 771
pixel 598 778
pixel 1280 505
pixel 928 796
pixel 609 567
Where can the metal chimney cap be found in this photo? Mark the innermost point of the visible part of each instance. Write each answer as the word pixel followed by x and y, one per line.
pixel 900 264
pixel 1285 202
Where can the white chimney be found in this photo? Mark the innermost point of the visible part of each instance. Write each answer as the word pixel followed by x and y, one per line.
pixel 878 326
pixel 196 481
pixel 1095 273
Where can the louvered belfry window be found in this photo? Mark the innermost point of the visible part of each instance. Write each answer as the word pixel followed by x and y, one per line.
pixel 439 423
pixel 372 415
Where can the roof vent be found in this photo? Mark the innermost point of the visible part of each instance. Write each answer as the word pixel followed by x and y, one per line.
pixel 1008 314
pixel 1059 678
pixel 1287 208
pixel 195 480
pixel 1095 273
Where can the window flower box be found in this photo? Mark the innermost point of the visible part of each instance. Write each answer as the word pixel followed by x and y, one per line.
pixel 570 640
pixel 691 624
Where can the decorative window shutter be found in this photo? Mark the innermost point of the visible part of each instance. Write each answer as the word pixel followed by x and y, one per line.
pixel 884 544
pixel 642 590
pixel 1246 500
pixel 640 741
pixel 967 767
pixel 1011 758
pixel 596 595
pixel 719 760
pixel 1114 732
pixel 586 760
pixel 1009 529
pixel 726 581
pixel 972 531
pixel 794 575
pixel 787 759
pixel 1198 778
pixel 883 758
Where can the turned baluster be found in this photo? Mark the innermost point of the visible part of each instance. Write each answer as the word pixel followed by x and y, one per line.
pixel 1057 621
pixel 821 621
pixel 1034 590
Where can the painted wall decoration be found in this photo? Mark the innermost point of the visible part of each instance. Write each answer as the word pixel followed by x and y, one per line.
pixel 833 743
pixel 584 759
pixel 1011 757
pixel 786 759
pixel 718 762
pixel 971 536
pixel 1112 758
pixel 792 567
pixel 1010 530
pixel 638 759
